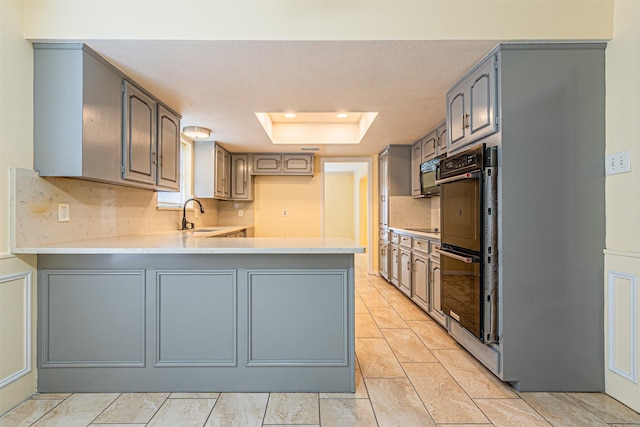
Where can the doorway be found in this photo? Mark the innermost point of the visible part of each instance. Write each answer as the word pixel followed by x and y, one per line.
pixel 347 201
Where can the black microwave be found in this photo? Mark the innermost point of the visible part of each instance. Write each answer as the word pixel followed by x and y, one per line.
pixel 428 171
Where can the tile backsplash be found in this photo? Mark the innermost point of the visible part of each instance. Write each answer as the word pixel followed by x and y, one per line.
pixel 405 211
pixel 97 210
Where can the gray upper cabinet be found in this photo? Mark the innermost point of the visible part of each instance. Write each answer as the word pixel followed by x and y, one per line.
pixel 282 164
pixel 297 164
pixel 168 171
pixel 394 179
pixel 241 181
pixel 267 164
pixel 472 106
pixel 416 160
pixel 222 172
pixel 72 138
pixel 441 148
pixel 429 146
pixel 212 171
pixel 92 122
pixel 139 151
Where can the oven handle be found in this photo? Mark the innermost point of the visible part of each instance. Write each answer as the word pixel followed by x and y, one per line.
pixel 465 259
pixel 468 175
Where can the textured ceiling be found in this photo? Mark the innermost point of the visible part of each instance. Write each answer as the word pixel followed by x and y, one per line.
pixel 222 84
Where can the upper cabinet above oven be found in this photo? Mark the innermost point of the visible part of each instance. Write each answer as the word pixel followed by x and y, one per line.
pixel 472 111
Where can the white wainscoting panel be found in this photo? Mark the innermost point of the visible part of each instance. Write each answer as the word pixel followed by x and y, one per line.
pixel 16 314
pixel 622 346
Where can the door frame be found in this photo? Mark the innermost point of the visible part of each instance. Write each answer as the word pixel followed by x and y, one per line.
pixel 370 231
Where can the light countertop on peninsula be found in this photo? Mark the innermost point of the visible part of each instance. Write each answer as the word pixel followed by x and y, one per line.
pixel 195 242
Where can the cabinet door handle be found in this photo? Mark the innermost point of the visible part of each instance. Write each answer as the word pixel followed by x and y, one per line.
pixel 465 122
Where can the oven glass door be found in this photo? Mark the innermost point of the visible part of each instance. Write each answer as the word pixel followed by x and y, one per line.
pixel 461 289
pixel 460 213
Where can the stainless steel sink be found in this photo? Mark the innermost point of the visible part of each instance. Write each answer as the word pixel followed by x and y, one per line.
pixel 205 230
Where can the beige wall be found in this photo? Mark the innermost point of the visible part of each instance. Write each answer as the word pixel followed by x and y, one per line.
pixel 320 19
pixel 300 196
pixel 17 275
pixel 339 203
pixel 622 254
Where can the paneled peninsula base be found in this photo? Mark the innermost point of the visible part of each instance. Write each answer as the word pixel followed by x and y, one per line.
pixel 197 323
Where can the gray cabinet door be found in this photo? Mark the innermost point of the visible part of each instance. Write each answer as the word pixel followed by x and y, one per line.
pixel 240 177
pixel 168 174
pixel 297 164
pixel 429 144
pixel 442 140
pixel 435 306
pixel 394 263
pixel 482 102
pixel 420 281
pixel 222 173
pixel 404 267
pixel 139 142
pixel 472 106
pixel 416 159
pixel 383 259
pixel 267 164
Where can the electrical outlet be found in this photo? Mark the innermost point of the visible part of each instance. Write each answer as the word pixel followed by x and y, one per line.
pixel 240 213
pixel 618 163
pixel 284 212
pixel 64 215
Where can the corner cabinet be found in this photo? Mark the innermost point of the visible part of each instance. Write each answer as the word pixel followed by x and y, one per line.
pixel 92 122
pixel 472 111
pixel 212 171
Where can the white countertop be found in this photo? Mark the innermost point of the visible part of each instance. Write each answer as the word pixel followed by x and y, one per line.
pixel 432 236
pixel 194 242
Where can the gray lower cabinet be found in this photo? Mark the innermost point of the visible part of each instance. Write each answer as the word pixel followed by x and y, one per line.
pixel 404 269
pixel 435 296
pixel 420 280
pixel 383 259
pixel 394 262
pixel 244 323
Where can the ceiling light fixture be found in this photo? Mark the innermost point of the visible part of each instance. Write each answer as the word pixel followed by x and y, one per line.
pixel 196 132
pixel 342 115
pixel 290 115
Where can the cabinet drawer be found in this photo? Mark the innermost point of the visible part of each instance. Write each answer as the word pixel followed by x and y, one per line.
pixel 405 241
pixel 395 238
pixel 420 245
pixel 433 247
pixel 383 235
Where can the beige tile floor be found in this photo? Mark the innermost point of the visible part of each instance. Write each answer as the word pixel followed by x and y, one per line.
pixel 409 373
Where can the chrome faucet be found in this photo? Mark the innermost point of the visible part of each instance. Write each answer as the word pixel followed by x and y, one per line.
pixel 186 225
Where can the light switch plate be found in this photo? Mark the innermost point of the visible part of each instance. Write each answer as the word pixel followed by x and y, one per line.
pixel 64 215
pixel 618 163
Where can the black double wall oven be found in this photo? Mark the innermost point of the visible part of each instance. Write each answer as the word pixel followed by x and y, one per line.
pixel 468 253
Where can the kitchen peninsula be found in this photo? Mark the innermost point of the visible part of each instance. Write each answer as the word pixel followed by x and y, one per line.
pixel 178 311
